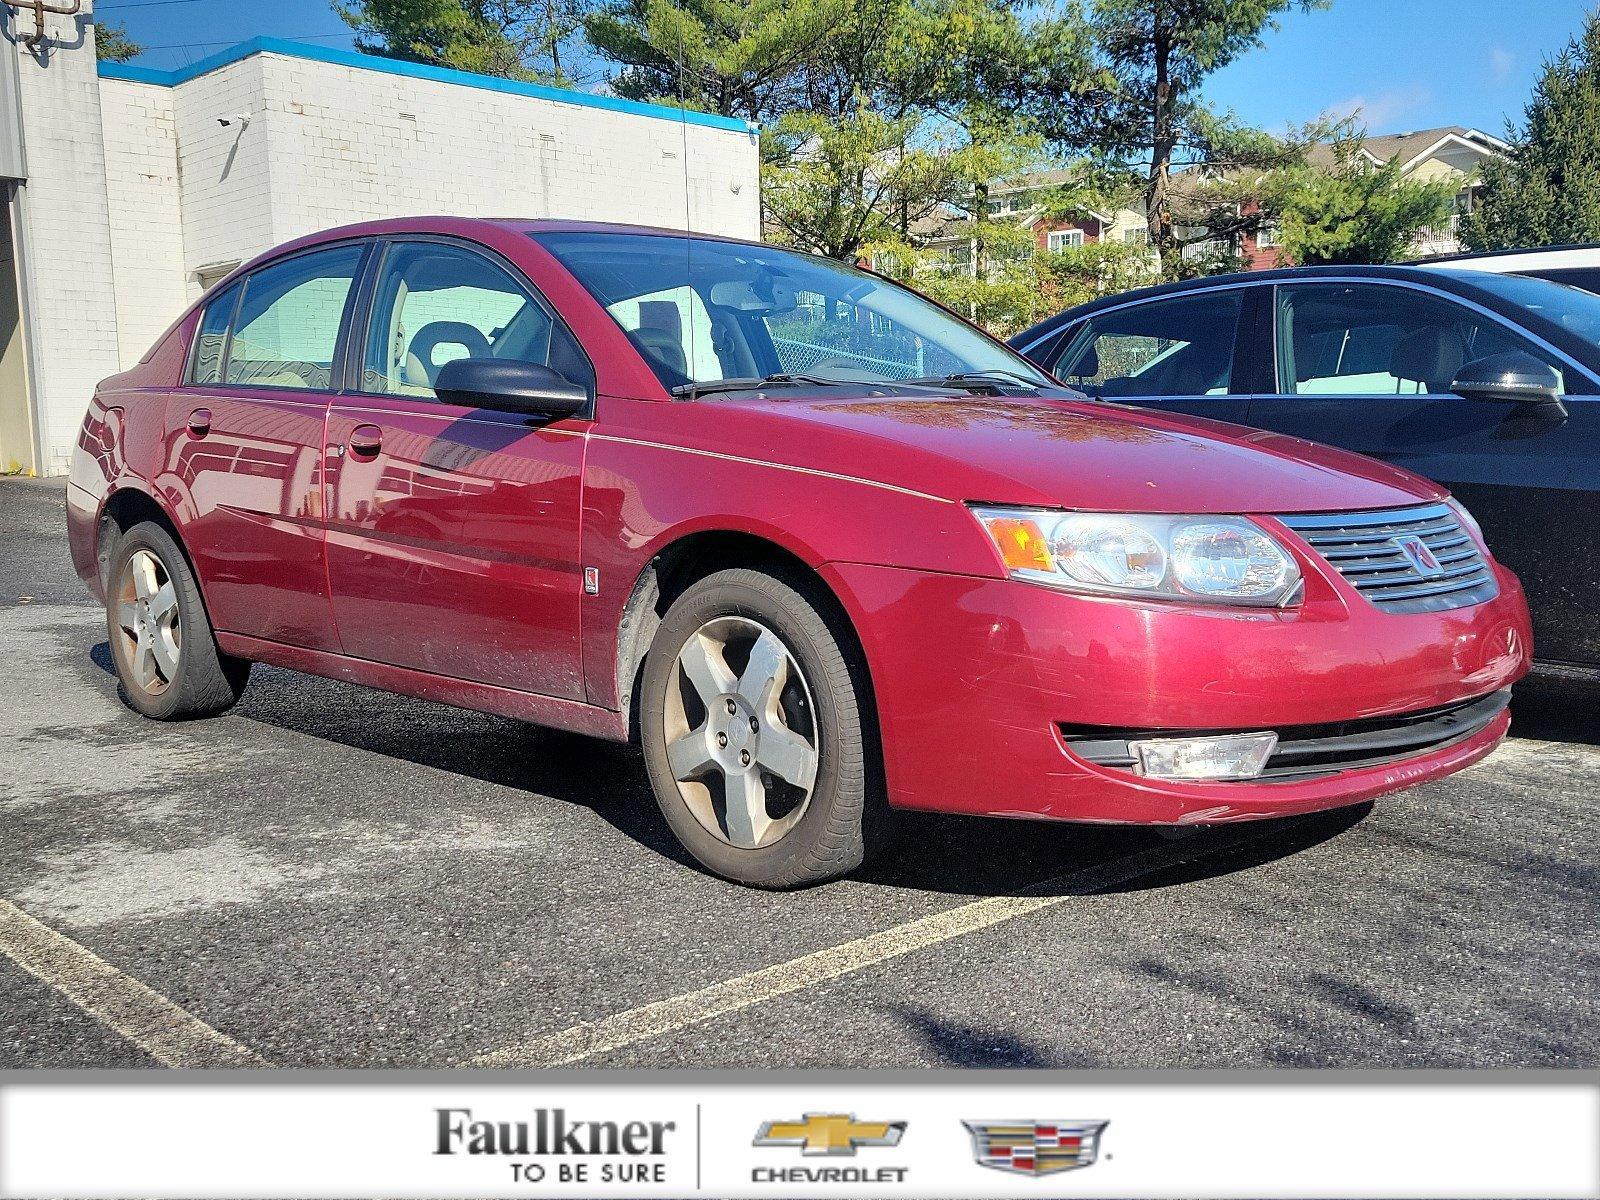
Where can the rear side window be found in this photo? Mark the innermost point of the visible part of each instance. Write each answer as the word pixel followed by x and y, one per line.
pixel 287 327
pixel 205 367
pixel 1177 347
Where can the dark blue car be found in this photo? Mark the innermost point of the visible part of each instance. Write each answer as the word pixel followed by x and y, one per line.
pixel 1486 383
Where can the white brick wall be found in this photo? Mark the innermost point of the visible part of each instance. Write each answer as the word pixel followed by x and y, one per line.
pixel 135 188
pixel 348 144
pixel 66 236
pixel 226 188
pixel 329 144
pixel 146 212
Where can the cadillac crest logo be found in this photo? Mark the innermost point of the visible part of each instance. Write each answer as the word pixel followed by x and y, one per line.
pixel 1035 1147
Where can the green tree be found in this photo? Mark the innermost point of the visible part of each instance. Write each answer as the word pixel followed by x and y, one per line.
pixel 112 43
pixel 874 113
pixel 741 58
pixel 1353 212
pixel 1021 286
pixel 834 184
pixel 1546 190
pixel 1144 108
pixel 516 39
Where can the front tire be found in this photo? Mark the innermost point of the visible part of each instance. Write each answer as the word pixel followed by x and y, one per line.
pixel 754 723
pixel 166 656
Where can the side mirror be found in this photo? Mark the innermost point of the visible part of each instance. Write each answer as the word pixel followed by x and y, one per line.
pixel 1514 377
pixel 522 387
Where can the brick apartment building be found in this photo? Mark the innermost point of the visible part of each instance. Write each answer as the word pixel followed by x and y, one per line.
pixel 1450 152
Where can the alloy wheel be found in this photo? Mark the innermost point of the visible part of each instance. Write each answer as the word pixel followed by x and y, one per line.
pixel 147 616
pixel 742 737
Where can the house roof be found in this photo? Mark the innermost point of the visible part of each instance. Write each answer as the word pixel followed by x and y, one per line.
pixel 1033 180
pixel 1411 147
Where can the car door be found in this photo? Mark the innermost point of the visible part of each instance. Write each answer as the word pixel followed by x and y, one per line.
pixel 245 438
pixel 1180 353
pixel 1368 366
pixel 453 531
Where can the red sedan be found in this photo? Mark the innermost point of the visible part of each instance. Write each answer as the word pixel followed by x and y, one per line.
pixel 824 549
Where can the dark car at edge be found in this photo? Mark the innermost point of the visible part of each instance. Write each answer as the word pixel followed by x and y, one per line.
pixel 1486 383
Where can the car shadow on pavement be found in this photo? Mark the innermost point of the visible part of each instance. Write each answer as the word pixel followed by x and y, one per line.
pixel 983 856
pixel 932 852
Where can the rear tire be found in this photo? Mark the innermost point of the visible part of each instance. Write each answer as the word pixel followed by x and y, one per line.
pixel 755 720
pixel 167 659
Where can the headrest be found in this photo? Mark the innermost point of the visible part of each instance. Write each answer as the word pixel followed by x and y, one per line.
pixel 447 333
pixel 1430 355
pixel 664 349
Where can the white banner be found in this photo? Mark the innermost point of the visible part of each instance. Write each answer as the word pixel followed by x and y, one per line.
pixel 943 1139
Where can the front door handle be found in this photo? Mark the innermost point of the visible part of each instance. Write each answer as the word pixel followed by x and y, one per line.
pixel 200 422
pixel 365 441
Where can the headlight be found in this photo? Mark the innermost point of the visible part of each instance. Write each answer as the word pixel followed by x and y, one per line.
pixel 1224 560
pixel 1468 520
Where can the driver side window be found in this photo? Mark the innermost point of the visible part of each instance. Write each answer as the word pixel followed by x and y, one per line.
pixel 435 303
pixel 1380 340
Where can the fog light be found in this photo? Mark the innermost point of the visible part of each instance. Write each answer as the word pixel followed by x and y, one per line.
pixel 1229 756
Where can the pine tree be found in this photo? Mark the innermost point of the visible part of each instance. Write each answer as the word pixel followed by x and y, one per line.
pixel 517 39
pixel 874 114
pixel 112 43
pixel 741 58
pixel 1153 56
pixel 1546 191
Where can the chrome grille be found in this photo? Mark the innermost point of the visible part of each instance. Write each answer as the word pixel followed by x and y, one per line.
pixel 1367 549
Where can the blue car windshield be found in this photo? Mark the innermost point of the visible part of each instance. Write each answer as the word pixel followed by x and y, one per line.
pixel 701 310
pixel 1574 309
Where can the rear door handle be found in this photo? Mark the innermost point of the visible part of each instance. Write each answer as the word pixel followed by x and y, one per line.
pixel 365 441
pixel 200 422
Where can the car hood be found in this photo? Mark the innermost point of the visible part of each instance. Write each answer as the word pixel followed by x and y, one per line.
pixel 1073 454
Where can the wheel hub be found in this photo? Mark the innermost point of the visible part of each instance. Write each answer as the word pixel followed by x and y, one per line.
pixel 735 733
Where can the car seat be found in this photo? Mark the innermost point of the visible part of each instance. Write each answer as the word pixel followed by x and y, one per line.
pixel 664 349
pixel 421 370
pixel 1430 356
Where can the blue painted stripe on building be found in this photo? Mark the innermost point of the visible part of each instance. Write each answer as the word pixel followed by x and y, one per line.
pixel 411 70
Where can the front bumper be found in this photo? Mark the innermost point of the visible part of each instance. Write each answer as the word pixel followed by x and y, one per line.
pixel 975 679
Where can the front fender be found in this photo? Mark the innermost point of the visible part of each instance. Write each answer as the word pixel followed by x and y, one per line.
pixel 642 496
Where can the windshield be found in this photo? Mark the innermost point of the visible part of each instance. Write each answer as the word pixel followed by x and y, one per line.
pixel 700 311
pixel 1573 309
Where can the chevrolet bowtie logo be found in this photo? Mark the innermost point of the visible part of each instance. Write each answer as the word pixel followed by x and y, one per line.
pixel 830 1133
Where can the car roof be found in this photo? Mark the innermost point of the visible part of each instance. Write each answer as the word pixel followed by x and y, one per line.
pixel 442 223
pixel 1475 287
pixel 1458 280
pixel 1585 249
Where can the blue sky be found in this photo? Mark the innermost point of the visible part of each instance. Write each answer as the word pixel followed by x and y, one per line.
pixel 1408 64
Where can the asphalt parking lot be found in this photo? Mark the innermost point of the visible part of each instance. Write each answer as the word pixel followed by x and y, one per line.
pixel 332 877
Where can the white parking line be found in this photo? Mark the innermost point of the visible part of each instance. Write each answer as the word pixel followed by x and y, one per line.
pixel 717 999
pixel 171 1035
